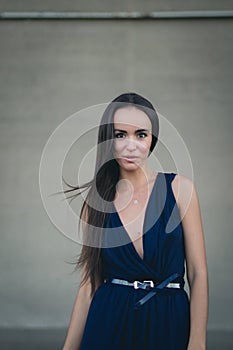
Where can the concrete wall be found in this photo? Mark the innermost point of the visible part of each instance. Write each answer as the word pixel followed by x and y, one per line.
pixel 50 70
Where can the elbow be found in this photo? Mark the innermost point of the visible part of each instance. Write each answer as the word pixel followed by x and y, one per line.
pixel 198 276
pixel 85 295
pixel 85 292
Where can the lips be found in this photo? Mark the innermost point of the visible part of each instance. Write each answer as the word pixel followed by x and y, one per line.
pixel 130 158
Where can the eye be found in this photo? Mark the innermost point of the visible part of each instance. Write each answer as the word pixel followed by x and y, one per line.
pixel 143 134
pixel 119 135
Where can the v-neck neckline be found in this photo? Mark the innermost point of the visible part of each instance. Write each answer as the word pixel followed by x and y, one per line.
pixel 144 220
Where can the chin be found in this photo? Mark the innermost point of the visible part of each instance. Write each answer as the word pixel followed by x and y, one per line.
pixel 130 166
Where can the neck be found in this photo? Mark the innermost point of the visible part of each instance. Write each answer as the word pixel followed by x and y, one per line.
pixel 137 178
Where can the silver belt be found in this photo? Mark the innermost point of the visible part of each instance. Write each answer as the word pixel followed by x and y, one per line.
pixel 143 285
pixel 150 286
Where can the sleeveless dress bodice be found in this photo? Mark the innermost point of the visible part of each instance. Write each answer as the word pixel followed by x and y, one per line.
pixel 163 322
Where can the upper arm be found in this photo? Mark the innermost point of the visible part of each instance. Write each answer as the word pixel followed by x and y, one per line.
pixel 188 203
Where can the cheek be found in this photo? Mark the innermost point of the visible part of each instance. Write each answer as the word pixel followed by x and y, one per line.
pixel 145 146
pixel 118 146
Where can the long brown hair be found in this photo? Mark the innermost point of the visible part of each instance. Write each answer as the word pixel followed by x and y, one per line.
pixel 103 185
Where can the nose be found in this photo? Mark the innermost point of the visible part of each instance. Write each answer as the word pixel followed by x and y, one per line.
pixel 131 145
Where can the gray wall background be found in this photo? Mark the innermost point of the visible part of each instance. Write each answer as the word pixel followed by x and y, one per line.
pixel 52 69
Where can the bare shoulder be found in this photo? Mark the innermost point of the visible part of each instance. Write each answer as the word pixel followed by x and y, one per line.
pixel 183 181
pixel 183 188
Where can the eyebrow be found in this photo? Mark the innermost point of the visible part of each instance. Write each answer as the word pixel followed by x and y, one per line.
pixel 139 130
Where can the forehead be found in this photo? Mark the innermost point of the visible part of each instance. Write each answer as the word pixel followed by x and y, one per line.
pixel 131 118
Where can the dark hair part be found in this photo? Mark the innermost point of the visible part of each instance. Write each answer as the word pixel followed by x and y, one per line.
pixel 106 176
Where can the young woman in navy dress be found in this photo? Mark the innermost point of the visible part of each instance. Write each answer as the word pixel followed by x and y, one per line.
pixel 139 229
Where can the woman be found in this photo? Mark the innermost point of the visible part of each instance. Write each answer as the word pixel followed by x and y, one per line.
pixel 131 295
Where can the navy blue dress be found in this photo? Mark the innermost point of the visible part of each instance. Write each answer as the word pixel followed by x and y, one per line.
pixel 162 322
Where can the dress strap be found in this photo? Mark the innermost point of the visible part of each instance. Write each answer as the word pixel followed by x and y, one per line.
pixel 172 210
pixel 169 178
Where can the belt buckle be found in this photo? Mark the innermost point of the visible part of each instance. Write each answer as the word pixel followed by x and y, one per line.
pixel 151 283
pixel 137 283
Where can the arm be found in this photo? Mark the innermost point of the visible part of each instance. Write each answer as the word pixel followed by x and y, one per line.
pixel 80 312
pixel 196 263
pixel 78 318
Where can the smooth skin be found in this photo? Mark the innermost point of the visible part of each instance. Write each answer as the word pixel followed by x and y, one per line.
pixel 78 318
pixel 129 140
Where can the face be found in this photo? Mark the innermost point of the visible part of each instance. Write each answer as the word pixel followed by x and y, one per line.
pixel 132 137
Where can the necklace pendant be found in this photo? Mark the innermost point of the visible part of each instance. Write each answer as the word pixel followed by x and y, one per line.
pixel 135 201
